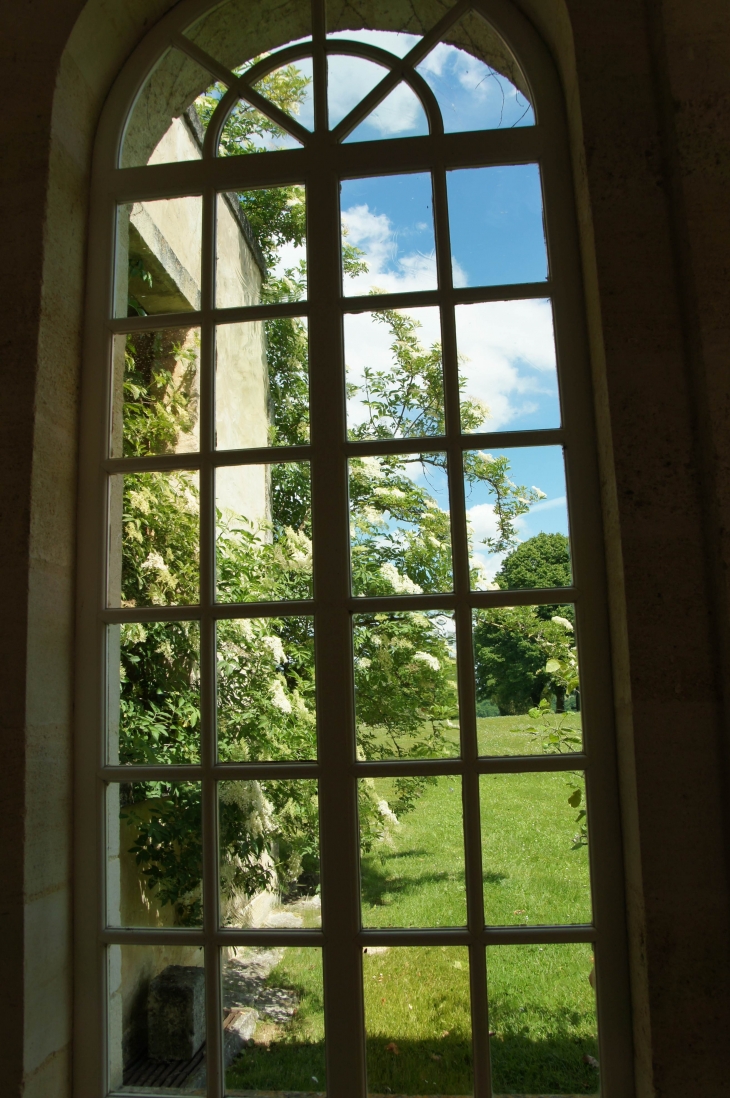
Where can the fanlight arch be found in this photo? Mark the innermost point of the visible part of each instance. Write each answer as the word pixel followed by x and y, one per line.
pixel 251 514
pixel 174 85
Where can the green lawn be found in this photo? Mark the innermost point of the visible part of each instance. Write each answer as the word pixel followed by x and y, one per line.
pixel 496 735
pixel 291 1057
pixel 417 999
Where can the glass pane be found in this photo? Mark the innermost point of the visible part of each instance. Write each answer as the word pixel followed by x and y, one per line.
pixel 154 539
pixel 400 530
pixel 154 692
pixel 156 1019
pixel 262 383
pixel 534 849
pixel 395 42
pixel 156 392
pixel 247 130
pixel 512 498
pixel 526 669
pixel 394 368
pixel 260 247
pixel 236 34
pixel 496 223
pixel 158 257
pixel 418 1020
pixel 507 366
pixel 273 1004
pixel 476 79
pixel 269 853
pixel 290 88
pixel 542 1017
pixel 266 698
pixel 263 532
pixel 154 854
pixel 169 117
pixel 387 229
pixel 349 79
pixel 400 114
pixel 412 843
pixel 406 703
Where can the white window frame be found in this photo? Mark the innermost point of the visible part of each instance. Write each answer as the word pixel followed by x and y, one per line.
pixel 320 165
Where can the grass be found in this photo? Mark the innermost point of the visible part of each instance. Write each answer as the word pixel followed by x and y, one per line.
pixel 290 1057
pixel 542 1013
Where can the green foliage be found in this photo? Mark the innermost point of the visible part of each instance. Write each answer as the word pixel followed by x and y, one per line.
pixel 542 561
pixel 404 665
pixel 159 401
pixel 407 401
pixel 160 692
pixel 512 644
pixel 168 846
pixel 555 737
pixel 404 692
pixel 160 557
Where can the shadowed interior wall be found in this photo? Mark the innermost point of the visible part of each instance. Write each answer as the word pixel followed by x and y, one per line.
pixel 648 92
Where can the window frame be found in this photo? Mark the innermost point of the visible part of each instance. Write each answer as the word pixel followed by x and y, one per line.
pixel 342 936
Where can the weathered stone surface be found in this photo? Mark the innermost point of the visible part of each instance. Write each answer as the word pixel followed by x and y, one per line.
pixel 176 1013
pixel 655 239
pixel 238 1029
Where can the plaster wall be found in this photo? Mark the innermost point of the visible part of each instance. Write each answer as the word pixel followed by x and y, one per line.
pixel 166 236
pixel 647 88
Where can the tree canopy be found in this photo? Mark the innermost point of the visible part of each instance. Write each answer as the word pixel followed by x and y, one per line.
pixel 513 644
pixel 404 668
pixel 541 561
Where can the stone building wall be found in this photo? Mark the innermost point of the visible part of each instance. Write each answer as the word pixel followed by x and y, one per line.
pixel 163 240
pixel 646 82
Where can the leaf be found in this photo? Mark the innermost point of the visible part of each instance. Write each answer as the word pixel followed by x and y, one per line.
pixel 392 1047
pixel 552 666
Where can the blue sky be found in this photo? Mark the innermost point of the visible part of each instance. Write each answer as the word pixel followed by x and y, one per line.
pixel 539 467
pixel 506 348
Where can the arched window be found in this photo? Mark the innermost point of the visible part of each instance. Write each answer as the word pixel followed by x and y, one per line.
pixel 347 817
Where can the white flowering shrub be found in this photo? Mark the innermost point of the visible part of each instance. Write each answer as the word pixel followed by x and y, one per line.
pixel 401 544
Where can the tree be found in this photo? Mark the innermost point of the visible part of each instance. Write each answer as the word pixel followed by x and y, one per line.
pixel 404 662
pixel 542 561
pixel 512 645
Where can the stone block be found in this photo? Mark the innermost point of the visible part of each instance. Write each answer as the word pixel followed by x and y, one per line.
pixel 176 1013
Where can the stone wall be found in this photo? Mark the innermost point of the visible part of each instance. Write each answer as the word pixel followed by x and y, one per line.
pixel 164 238
pixel 646 83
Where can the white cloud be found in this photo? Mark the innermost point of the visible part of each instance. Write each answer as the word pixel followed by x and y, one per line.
pixel 399 113
pixel 483 521
pixel 350 79
pixel 507 348
pixel 549 504
pixel 507 354
pixel 287 257
pixel 483 524
pixel 389 267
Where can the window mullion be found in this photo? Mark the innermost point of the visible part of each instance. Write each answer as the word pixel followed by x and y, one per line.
pixel 335 703
pixel 214 1061
pixel 465 670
